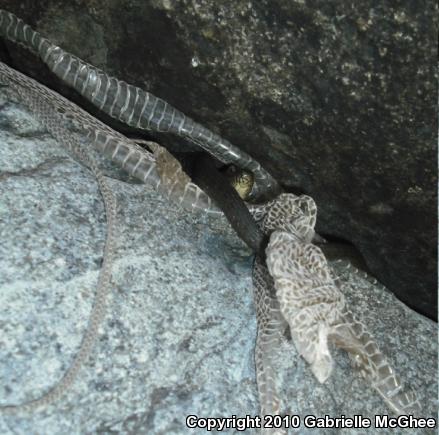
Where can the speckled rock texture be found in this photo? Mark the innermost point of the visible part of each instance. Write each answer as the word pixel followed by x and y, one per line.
pixel 180 331
pixel 337 100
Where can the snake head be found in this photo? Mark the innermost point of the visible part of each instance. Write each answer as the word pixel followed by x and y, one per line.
pixel 241 180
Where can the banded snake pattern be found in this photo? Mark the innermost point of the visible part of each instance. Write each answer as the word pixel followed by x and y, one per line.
pixel 131 104
pixel 296 287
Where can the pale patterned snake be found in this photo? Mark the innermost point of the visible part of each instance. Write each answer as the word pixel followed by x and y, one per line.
pixel 296 288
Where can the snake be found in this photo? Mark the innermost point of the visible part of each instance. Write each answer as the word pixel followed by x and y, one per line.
pixel 75 129
pixel 293 284
pixel 297 288
pixel 130 104
pixel 51 118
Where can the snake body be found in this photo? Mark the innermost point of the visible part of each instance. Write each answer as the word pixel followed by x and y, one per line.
pixel 124 152
pixel 295 287
pixel 54 123
pixel 351 335
pixel 77 130
pixel 158 169
pixel 308 299
pixel 130 104
pixel 271 329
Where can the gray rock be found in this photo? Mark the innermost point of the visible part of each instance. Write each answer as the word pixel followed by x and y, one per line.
pixel 180 331
pixel 338 101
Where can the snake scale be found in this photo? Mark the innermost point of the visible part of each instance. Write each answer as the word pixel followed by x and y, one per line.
pixel 130 104
pixel 293 288
pixel 51 119
pixel 301 291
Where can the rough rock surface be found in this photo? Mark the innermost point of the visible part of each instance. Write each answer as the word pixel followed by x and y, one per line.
pixel 179 336
pixel 337 100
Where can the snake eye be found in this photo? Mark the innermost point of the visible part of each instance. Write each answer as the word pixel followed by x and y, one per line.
pixel 241 180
